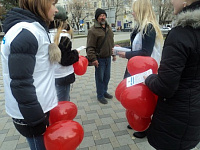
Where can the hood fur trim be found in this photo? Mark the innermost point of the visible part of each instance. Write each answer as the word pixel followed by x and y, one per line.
pixel 188 18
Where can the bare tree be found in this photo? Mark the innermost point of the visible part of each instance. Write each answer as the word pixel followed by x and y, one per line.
pixel 78 8
pixel 119 7
pixel 165 11
pixel 2 12
pixel 8 4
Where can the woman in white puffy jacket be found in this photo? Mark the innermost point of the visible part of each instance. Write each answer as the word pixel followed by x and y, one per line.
pixel 28 74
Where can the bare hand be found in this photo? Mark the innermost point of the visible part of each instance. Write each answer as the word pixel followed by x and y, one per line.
pixel 78 51
pixel 144 79
pixel 114 58
pixel 113 49
pixel 117 46
pixel 95 63
pixel 122 54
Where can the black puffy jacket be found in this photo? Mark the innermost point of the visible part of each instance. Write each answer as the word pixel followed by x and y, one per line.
pixel 176 121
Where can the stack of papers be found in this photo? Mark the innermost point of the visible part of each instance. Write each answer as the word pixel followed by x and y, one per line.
pixel 80 48
pixel 120 49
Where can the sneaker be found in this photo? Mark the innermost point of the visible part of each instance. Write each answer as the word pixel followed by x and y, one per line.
pixel 129 127
pixel 140 134
pixel 102 100
pixel 106 95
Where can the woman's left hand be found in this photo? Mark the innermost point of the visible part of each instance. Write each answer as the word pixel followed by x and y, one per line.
pixel 121 54
pixel 144 79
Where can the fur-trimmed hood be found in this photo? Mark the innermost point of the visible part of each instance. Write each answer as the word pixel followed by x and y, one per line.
pixel 189 17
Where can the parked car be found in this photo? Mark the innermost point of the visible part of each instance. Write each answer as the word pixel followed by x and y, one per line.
pixel 113 29
pixel 165 30
pixel 127 30
pixel 82 30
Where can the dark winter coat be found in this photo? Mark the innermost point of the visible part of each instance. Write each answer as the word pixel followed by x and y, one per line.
pixel 148 42
pixel 176 121
pixel 94 39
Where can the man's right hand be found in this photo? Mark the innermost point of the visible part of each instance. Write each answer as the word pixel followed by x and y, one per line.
pixel 95 63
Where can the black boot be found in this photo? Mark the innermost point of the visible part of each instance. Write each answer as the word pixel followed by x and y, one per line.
pixel 109 96
pixel 140 134
pixel 129 127
pixel 102 100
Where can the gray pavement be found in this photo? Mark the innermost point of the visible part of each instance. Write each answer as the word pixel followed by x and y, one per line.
pixel 104 125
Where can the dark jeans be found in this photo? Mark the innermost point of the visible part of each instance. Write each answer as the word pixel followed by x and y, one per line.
pixel 62 89
pixel 36 143
pixel 102 76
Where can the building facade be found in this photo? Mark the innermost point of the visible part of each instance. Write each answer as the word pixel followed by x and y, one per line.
pixel 119 12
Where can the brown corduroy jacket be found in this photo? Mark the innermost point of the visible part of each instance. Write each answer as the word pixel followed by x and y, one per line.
pixel 95 37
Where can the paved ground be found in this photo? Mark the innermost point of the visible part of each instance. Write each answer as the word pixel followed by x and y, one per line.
pixel 104 125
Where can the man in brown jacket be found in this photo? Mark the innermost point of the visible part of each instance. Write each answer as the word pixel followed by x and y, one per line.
pixel 99 51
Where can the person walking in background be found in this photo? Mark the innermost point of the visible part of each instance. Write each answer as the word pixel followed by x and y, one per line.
pixel 61 34
pixel 28 74
pixel 176 124
pixel 146 38
pixel 99 51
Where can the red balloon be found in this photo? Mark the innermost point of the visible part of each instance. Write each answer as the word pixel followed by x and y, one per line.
pixel 156 97
pixel 63 135
pixel 137 123
pixel 65 110
pixel 80 67
pixel 139 64
pixel 120 88
pixel 139 99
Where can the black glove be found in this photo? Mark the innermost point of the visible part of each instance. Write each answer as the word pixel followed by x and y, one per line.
pixel 30 131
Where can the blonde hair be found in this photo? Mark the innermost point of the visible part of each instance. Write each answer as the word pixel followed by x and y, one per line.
pixel 144 15
pixel 38 7
pixel 60 25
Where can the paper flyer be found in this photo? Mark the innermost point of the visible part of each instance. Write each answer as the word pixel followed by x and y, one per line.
pixel 138 78
pixel 80 48
pixel 117 49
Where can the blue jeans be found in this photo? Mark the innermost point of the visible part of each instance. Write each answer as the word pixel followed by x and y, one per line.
pixel 62 89
pixel 36 143
pixel 102 76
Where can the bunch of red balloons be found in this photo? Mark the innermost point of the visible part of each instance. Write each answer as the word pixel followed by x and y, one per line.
pixel 63 133
pixel 138 100
pixel 80 67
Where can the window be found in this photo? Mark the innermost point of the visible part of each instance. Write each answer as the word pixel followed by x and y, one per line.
pixel 103 4
pixel 95 4
pixel 112 2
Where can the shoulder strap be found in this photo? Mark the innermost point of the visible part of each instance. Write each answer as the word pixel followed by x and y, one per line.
pixel 99 48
